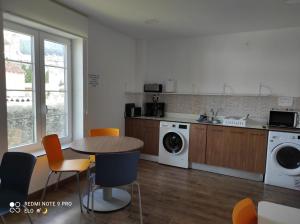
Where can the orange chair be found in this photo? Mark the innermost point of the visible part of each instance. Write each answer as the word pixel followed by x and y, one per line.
pixel 103 132
pixel 58 164
pixel 244 212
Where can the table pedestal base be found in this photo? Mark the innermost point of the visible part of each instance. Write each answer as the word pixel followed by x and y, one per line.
pixel 108 200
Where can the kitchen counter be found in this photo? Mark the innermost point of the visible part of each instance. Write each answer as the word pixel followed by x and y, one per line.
pixel 251 124
pixel 236 151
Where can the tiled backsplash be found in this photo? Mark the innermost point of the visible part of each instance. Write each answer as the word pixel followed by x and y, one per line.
pixel 257 106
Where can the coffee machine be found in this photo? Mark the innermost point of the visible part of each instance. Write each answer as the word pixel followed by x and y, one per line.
pixel 132 111
pixel 154 109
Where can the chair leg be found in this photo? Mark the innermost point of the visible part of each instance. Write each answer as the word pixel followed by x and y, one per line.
pixel 89 190
pixel 93 200
pixel 28 216
pixel 45 188
pixel 3 220
pixel 78 184
pixel 58 179
pixel 140 202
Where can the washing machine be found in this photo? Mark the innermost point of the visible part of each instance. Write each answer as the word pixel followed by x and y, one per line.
pixel 283 160
pixel 174 144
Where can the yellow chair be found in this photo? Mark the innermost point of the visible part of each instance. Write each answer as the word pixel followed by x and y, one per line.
pixel 58 164
pixel 103 132
pixel 244 212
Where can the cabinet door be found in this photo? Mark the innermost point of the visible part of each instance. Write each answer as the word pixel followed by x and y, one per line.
pixel 257 148
pixel 197 141
pixel 134 128
pixel 247 149
pixel 215 146
pixel 236 148
pixel 151 137
pixel 129 127
pixel 145 130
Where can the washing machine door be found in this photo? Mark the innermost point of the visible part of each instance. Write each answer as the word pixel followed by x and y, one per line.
pixel 173 142
pixel 287 157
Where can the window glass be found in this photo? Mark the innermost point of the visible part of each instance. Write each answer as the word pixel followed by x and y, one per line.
pixel 17 46
pixel 55 77
pixel 19 85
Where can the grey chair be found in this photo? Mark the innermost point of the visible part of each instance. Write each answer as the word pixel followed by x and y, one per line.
pixel 115 170
pixel 15 174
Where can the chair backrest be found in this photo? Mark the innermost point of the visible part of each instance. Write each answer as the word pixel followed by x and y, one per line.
pixel 116 169
pixel 244 212
pixel 16 170
pixel 104 132
pixel 53 150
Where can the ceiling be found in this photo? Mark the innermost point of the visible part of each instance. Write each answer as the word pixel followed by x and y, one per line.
pixel 148 19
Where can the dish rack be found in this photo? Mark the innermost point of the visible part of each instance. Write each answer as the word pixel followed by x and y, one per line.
pixel 235 121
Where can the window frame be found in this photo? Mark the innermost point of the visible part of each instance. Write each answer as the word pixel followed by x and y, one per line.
pixel 38 82
pixel 68 82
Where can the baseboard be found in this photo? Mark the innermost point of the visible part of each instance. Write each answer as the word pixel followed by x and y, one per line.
pixel 214 169
pixel 37 194
pixel 229 172
pixel 149 157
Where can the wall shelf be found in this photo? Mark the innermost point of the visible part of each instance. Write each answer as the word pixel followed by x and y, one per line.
pixel 200 94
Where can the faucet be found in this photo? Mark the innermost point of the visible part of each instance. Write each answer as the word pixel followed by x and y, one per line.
pixel 214 113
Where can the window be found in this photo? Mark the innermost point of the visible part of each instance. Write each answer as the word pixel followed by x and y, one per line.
pixel 21 119
pixel 37 85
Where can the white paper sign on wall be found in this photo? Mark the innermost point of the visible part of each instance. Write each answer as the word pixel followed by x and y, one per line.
pixel 285 101
pixel 94 80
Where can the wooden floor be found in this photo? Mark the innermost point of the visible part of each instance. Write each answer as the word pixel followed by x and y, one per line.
pixel 169 196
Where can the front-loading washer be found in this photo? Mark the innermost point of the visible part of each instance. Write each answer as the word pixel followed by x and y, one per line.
pixel 174 144
pixel 283 160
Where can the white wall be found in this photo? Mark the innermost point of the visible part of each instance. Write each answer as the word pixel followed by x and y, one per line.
pixel 140 64
pixel 48 13
pixel 112 56
pixel 79 73
pixel 240 60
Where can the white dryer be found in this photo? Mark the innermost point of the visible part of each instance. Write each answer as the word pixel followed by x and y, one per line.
pixel 283 160
pixel 174 144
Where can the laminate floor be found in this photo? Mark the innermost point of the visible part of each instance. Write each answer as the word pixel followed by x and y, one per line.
pixel 169 196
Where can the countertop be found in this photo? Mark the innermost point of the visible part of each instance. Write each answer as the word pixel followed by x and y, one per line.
pixel 251 124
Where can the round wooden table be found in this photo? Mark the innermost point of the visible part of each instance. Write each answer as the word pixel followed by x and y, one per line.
pixel 107 199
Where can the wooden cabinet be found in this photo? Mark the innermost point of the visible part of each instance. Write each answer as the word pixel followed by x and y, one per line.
pixel 145 130
pixel 151 137
pixel 229 147
pixel 257 146
pixel 197 141
pixel 236 148
pixel 134 128
pixel 215 146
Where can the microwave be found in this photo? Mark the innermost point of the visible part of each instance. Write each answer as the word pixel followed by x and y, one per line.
pixel 285 119
pixel 153 88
